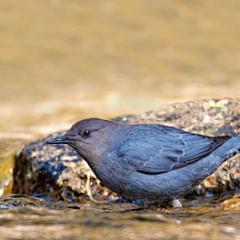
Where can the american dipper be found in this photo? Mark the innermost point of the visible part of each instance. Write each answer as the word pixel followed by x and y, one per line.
pixel 148 161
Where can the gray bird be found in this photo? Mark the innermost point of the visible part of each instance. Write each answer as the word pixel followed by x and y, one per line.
pixel 148 161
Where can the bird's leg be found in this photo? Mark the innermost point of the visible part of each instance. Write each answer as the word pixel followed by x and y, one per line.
pixel 177 204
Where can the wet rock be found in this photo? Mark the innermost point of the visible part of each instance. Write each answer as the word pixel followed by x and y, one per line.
pixel 230 204
pixel 56 169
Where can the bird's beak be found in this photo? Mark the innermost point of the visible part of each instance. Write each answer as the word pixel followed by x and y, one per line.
pixel 62 139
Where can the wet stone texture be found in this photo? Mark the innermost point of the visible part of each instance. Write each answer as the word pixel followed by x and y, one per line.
pixel 56 170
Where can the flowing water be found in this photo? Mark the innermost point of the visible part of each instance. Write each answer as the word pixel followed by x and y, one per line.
pixel 61 61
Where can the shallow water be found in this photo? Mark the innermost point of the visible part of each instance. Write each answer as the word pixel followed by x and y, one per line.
pixel 63 220
pixel 62 61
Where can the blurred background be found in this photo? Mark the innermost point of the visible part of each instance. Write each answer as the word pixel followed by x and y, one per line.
pixel 64 60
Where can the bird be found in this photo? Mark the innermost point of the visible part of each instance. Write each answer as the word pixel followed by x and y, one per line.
pixel 148 162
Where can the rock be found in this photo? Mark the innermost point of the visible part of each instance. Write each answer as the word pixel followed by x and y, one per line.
pixel 230 204
pixel 58 171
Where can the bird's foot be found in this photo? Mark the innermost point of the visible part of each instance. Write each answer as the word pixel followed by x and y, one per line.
pixel 177 204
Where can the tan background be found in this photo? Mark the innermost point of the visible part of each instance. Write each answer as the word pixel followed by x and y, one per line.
pixel 61 61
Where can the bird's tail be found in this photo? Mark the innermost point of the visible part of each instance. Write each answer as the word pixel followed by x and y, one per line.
pixel 234 147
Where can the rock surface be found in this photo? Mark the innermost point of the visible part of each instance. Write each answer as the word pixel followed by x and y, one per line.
pixel 59 172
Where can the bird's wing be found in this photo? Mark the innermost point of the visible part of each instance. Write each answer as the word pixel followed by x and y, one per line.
pixel 157 149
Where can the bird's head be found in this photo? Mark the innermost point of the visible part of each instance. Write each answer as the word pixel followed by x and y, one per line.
pixel 89 137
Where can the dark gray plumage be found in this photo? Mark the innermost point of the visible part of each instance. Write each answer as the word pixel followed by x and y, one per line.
pixel 148 161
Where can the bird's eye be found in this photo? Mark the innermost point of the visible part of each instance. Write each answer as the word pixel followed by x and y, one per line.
pixel 86 133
